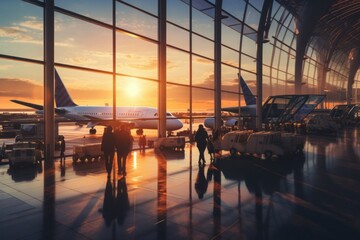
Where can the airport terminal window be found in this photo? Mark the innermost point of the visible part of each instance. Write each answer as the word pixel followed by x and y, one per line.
pixel 99 10
pixel 229 56
pixel 150 6
pixel 202 24
pixel 77 46
pixel 84 85
pixel 229 79
pixel 229 99
pixel 177 98
pixel 132 91
pixel 136 21
pixel 25 85
pixel 248 63
pixel 178 13
pixel 203 46
pixel 136 56
pixel 234 7
pixel 203 72
pixel 21 29
pixel 177 37
pixel 203 101
pixel 229 37
pixel 252 17
pixel 178 66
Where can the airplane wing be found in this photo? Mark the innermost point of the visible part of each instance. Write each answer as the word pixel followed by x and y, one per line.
pixel 99 121
pixel 38 107
pixel 31 105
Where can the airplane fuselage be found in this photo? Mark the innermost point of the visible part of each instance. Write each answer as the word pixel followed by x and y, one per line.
pixel 141 117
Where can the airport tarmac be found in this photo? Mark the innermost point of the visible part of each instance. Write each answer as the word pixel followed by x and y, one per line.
pixel 167 195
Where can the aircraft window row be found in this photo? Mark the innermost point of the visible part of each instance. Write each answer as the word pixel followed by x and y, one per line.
pixel 88 113
pixel 131 114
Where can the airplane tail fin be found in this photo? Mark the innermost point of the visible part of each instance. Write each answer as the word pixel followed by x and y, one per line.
pixel 248 95
pixel 62 97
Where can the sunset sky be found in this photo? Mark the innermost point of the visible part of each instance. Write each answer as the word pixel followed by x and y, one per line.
pixel 82 44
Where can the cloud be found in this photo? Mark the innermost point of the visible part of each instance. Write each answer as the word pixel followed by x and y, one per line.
pixel 32 23
pixel 20 88
pixel 27 31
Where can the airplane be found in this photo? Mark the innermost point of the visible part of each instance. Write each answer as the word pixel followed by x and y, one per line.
pixel 136 117
pixel 275 109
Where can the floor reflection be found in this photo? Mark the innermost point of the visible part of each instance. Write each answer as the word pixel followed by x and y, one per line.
pixel 167 195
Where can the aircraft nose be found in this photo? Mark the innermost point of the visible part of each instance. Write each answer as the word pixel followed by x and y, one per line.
pixel 179 124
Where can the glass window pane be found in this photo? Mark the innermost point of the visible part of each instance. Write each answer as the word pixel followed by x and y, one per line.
pixel 177 37
pixel 177 98
pixel 203 101
pixel 202 24
pixel 229 100
pixel 178 13
pixel 203 72
pixel 230 37
pixel 252 17
pixel 25 85
pixel 229 79
pixel 178 67
pixel 87 88
pixel 203 47
pixel 230 56
pixel 248 63
pixel 234 7
pixel 99 10
pixel 136 21
pixel 250 79
pixel 150 6
pixel 76 45
pixel 136 92
pixel 21 29
pixel 136 57
pixel 249 46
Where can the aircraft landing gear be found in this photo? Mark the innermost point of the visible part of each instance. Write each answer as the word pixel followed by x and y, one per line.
pixel 139 132
pixel 92 131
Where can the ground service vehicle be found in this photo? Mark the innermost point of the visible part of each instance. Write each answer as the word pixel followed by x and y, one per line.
pixel 263 142
pixel 177 142
pixel 24 156
pixel 87 151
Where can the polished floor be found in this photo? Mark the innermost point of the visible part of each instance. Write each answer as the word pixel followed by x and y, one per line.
pixel 167 195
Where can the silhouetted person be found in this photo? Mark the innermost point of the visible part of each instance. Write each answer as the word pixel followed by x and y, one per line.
pixel 62 149
pixel 210 148
pixel 108 147
pixel 201 138
pixel 122 201
pixel 201 183
pixel 123 143
pixel 142 142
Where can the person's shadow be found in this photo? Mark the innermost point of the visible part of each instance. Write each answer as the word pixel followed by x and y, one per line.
pixel 108 210
pixel 122 201
pixel 201 183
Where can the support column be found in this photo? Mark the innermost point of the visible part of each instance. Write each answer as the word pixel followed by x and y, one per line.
pixel 354 60
pixel 259 61
pixel 217 67
pixel 49 89
pixel 162 69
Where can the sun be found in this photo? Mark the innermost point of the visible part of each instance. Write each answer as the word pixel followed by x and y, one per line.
pixel 132 90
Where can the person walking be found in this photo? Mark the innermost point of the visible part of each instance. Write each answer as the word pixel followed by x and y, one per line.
pixel 123 142
pixel 210 148
pixel 108 147
pixel 201 138
pixel 62 149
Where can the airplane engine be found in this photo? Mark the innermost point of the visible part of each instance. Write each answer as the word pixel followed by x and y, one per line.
pixel 210 122
pixel 231 123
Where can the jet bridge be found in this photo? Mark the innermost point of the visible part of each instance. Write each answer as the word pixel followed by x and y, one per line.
pixel 289 108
